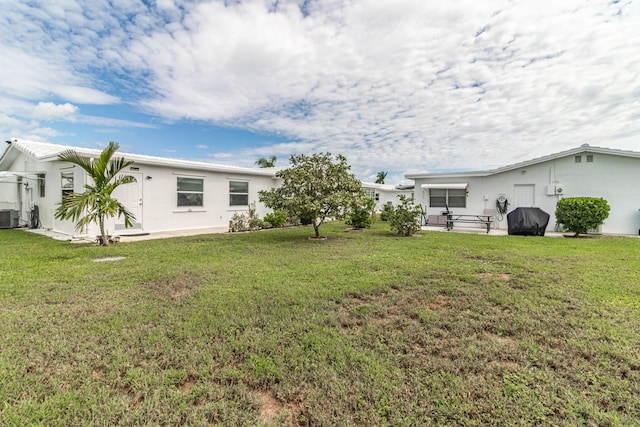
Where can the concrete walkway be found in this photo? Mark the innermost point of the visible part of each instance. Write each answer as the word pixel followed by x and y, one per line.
pixel 133 237
pixel 481 230
pixel 176 233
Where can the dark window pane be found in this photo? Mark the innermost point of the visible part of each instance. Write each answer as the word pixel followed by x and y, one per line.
pixel 437 198
pixel 238 199
pixel 457 198
pixel 189 199
pixel 437 201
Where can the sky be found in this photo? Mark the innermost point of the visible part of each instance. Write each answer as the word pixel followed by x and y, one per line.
pixel 400 86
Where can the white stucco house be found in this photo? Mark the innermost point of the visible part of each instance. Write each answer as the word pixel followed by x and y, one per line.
pixel 168 194
pixel 386 194
pixel 584 171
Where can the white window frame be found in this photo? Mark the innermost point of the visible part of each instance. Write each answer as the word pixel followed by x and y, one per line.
pixel 447 197
pixel 189 197
pixel 41 185
pixel 67 182
pixel 237 197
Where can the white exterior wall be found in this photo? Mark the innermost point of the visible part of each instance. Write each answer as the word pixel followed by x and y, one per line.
pixel 386 194
pixel 159 209
pixel 23 197
pixel 392 197
pixel 611 177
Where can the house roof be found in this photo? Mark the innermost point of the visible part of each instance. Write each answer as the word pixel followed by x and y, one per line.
pixel 386 187
pixel 47 152
pixel 585 148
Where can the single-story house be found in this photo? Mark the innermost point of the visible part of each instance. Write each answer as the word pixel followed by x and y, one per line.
pixel 386 194
pixel 584 171
pixel 168 194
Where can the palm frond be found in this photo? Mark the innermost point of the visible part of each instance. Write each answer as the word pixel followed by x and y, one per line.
pixel 95 203
pixel 74 157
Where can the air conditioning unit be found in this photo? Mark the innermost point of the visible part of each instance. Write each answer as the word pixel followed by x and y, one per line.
pixel 8 218
pixel 560 189
pixel 597 230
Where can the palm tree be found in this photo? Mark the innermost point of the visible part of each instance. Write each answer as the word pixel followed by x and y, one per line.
pixel 269 162
pixel 96 203
pixel 380 177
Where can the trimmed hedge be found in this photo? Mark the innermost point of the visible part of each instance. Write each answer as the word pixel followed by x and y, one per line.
pixel 580 214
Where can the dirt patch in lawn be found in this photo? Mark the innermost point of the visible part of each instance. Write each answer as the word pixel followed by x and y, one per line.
pixel 501 276
pixel 270 409
pixel 176 288
pixel 187 384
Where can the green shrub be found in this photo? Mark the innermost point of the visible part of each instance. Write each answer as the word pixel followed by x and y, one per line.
pixel 387 210
pixel 239 222
pixel 360 213
pixel 580 214
pixel 404 218
pixel 276 219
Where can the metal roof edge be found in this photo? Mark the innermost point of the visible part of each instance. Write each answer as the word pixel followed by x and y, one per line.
pixel 573 151
pixel 150 160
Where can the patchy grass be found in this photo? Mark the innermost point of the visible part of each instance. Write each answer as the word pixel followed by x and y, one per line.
pixel 270 328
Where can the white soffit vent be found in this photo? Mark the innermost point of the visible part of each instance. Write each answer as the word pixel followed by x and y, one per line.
pixel 451 186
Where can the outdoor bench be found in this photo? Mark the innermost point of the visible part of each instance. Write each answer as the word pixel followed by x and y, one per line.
pixel 472 219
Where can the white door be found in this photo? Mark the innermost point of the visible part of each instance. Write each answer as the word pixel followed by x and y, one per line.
pixel 523 195
pixel 130 195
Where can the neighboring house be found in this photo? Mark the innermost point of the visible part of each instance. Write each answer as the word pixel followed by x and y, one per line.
pixel 168 194
pixel 583 171
pixel 386 194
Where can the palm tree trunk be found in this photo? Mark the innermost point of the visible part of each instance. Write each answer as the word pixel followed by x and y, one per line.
pixel 105 238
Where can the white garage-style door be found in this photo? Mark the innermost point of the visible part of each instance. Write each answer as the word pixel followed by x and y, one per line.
pixel 524 195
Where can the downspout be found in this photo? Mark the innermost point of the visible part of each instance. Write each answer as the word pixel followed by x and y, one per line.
pixel 19 201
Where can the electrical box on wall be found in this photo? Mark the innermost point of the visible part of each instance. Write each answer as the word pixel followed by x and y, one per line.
pixel 554 189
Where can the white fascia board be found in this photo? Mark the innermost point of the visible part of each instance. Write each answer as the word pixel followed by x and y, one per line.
pixel 449 186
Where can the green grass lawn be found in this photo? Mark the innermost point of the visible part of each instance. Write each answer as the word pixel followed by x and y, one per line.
pixel 364 328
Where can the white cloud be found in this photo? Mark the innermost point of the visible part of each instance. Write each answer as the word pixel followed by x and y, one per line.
pixel 84 95
pixel 406 85
pixel 51 111
pixel 452 85
pixel 46 132
pixel 106 121
pixel 7 121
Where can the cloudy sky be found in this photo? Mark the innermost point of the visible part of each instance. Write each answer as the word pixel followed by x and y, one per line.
pixel 394 85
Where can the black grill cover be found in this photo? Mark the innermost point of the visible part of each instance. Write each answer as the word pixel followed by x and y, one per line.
pixel 527 221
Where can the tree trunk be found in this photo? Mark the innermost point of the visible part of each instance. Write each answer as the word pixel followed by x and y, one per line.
pixel 105 238
pixel 316 229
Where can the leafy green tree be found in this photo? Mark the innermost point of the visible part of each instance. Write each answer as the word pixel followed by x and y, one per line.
pixel 380 177
pixel 96 203
pixel 580 214
pixel 387 211
pixel 314 188
pixel 404 218
pixel 360 213
pixel 269 162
